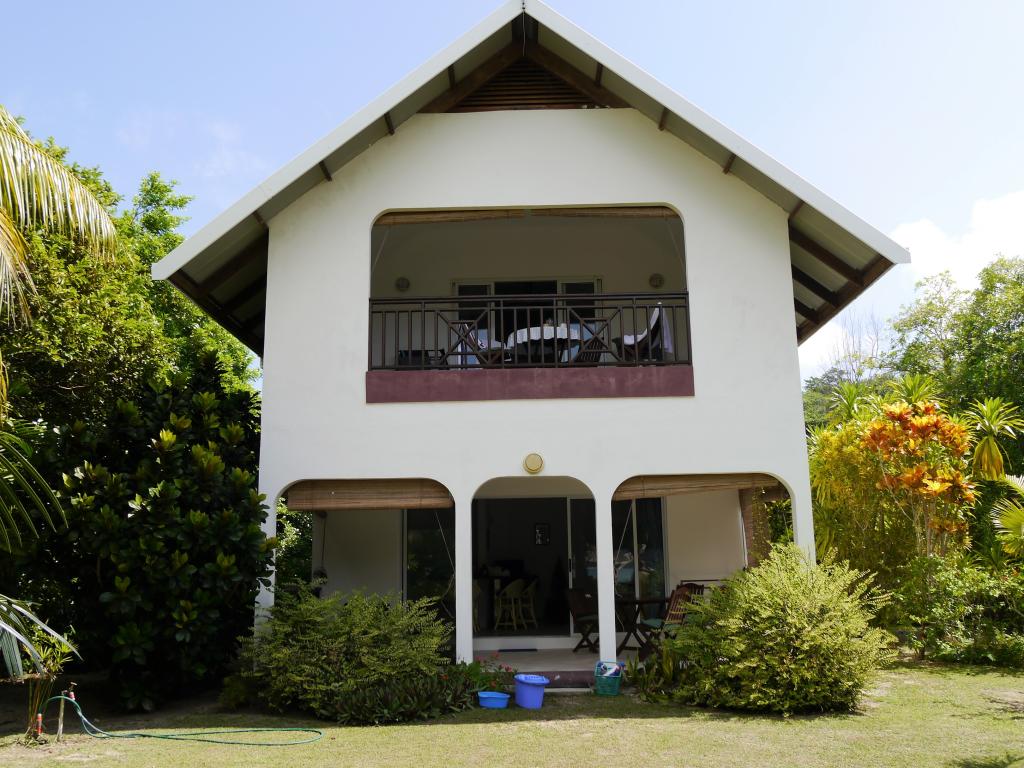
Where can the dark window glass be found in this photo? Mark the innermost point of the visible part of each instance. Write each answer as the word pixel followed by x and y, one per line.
pixel 474 312
pixel 430 557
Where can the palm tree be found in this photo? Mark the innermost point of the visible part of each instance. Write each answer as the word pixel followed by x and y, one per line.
pixel 37 192
pixel 992 419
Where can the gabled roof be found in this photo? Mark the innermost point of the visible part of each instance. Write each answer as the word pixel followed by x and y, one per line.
pixel 835 255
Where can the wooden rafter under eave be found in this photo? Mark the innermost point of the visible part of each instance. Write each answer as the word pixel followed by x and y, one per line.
pixel 195 291
pixel 878 267
pixel 231 268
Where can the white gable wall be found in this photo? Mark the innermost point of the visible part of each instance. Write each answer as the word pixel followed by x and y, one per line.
pixel 746 414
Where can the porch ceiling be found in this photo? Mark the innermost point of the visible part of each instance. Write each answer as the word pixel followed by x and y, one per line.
pixel 834 255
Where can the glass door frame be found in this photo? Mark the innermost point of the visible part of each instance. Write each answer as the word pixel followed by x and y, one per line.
pixel 634 532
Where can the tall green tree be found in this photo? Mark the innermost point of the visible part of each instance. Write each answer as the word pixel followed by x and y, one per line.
pixel 37 193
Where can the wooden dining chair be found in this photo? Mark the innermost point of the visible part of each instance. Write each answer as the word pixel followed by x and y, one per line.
pixel 583 609
pixel 527 608
pixel 508 606
pixel 675 614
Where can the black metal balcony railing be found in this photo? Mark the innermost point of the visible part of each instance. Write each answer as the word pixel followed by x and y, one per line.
pixel 529 331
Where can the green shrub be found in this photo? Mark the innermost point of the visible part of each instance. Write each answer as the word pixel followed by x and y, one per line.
pixel 445 690
pixel 489 674
pixel 293 560
pixel 952 610
pixel 312 655
pixel 786 636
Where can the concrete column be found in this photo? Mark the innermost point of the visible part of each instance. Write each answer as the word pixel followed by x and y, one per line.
pixel 605 576
pixel 803 520
pixel 463 576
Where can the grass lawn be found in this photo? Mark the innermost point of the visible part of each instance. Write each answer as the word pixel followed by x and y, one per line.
pixel 915 716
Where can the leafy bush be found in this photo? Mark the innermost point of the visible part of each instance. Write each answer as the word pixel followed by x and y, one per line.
pixel 954 610
pixel 489 674
pixel 445 690
pixel 164 550
pixel 293 560
pixel 326 656
pixel 786 636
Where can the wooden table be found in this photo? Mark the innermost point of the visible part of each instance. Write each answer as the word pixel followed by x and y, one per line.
pixel 630 618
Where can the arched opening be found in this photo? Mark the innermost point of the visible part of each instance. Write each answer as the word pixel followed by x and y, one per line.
pixel 713 524
pixel 586 294
pixel 533 543
pixel 383 535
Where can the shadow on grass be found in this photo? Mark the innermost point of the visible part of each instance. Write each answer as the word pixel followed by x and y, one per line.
pixel 951 668
pixel 561 707
pixel 1000 761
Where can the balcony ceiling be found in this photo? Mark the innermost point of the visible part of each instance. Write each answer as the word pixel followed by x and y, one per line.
pixel 835 255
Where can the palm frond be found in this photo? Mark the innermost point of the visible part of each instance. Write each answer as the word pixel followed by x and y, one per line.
pixel 915 388
pixel 1008 516
pixel 847 399
pixel 18 621
pixel 15 279
pixel 37 190
pixel 24 493
pixel 1016 483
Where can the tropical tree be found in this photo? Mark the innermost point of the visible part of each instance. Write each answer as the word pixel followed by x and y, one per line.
pixel 37 192
pixel 991 419
pixel 891 478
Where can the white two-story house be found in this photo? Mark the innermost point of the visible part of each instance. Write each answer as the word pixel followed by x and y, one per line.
pixel 529 324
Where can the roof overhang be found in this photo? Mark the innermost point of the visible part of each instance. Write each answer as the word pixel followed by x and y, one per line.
pixel 835 255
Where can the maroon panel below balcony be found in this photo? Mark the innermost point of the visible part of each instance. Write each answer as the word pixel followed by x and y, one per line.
pixel 528 383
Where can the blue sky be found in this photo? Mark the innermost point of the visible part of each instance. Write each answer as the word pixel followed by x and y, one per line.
pixel 909 113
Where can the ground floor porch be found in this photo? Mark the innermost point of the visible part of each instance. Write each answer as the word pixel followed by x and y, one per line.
pixel 533 568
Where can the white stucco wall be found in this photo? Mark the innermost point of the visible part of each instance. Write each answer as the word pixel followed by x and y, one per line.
pixel 703 536
pixel 359 549
pixel 746 415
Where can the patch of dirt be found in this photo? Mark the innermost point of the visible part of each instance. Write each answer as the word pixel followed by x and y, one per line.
pixel 1007 701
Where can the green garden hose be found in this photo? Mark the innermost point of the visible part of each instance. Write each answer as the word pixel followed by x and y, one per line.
pixel 203 736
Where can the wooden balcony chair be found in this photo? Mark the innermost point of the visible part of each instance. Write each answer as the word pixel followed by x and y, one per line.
pixel 470 345
pixel 590 352
pixel 583 609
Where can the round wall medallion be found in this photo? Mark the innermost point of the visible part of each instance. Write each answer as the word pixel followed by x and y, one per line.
pixel 402 284
pixel 656 280
pixel 533 463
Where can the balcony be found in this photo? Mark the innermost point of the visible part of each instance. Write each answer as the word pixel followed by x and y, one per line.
pixel 529 346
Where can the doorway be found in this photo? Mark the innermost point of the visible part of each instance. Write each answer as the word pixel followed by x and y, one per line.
pixel 547 544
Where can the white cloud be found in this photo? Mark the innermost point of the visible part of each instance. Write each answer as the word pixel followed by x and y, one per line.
pixel 227 157
pixel 143 131
pixel 996 228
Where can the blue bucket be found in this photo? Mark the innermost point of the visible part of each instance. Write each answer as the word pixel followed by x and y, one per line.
pixel 493 699
pixel 530 691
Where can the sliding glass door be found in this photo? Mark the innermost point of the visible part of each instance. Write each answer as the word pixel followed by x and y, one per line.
pixel 637 541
